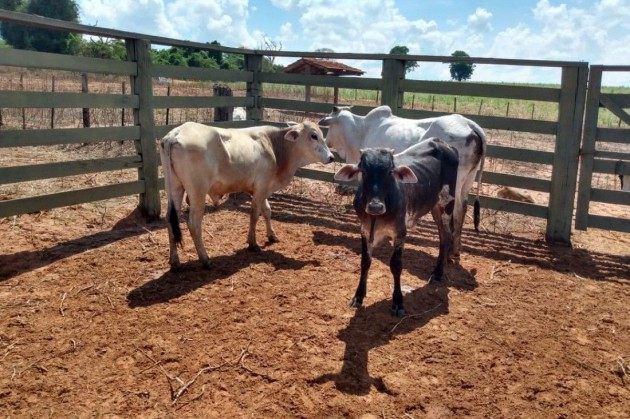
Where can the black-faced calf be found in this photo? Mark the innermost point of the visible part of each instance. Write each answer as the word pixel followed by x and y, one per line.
pixel 394 192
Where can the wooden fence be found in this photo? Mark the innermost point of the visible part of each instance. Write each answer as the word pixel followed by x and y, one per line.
pixel 392 86
pixel 600 161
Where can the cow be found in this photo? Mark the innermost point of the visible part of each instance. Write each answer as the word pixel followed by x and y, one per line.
pixel 348 133
pixel 394 192
pixel 239 114
pixel 200 159
pixel 510 193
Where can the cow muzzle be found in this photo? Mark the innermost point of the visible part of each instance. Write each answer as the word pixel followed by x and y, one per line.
pixel 375 207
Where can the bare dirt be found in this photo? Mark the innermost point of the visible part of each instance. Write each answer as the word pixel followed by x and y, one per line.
pixel 92 322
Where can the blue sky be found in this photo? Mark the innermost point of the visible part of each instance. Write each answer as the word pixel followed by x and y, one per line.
pixel 595 31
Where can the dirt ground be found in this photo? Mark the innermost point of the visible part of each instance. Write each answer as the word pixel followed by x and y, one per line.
pixel 92 322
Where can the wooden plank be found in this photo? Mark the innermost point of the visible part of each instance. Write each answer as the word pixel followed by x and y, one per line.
pixel 327 81
pixel 295 105
pixel 391 92
pixel 609 196
pixel 315 174
pixel 162 130
pixel 520 154
pixel 613 107
pixel 524 182
pixel 566 154
pixel 200 101
pixel 620 99
pixel 67 168
pixel 614 67
pixel 423 58
pixel 253 63
pixel 612 155
pixel 193 73
pixel 18 99
pixel 591 115
pixel 507 205
pixel 62 199
pixel 612 167
pixel 55 24
pixel 45 60
pixel 139 50
pixel 23 138
pixel 614 135
pixel 493 122
pixel 546 94
pixel 609 223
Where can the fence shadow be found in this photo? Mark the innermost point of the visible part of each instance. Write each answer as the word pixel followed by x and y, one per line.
pixel 192 275
pixel 29 260
pixel 499 247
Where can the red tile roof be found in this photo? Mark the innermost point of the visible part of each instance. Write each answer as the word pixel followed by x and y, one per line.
pixel 322 66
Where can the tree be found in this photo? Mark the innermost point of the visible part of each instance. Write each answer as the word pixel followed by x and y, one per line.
pixel 99 48
pixel 217 56
pixel 403 50
pixel 461 70
pixel 38 39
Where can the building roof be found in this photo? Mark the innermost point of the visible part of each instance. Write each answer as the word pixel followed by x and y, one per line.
pixel 320 66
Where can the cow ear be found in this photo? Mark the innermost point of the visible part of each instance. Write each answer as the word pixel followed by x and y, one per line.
pixel 291 124
pixel 325 122
pixel 336 109
pixel 292 135
pixel 347 173
pixel 405 174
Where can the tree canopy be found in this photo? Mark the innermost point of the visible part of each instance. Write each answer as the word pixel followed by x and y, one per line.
pixel 403 50
pixel 19 36
pixel 461 70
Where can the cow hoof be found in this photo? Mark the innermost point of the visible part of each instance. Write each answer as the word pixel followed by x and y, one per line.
pixel 356 303
pixel 253 248
pixel 397 311
pixel 272 239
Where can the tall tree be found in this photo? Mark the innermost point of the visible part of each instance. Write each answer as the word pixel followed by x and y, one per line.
pixel 38 39
pixel 403 50
pixel 461 70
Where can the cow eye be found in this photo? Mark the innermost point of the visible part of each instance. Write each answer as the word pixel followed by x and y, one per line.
pixel 313 136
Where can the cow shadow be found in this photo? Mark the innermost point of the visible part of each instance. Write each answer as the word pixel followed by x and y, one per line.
pixel 191 275
pixel 416 262
pixel 372 327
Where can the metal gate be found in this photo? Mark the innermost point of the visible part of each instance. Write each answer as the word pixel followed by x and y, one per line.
pixel 603 161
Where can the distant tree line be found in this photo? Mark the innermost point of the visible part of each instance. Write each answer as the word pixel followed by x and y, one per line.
pixel 24 37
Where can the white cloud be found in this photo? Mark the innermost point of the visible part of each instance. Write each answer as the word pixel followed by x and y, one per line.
pixel 480 20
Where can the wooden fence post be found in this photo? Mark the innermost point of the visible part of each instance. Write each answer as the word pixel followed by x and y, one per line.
pixel 587 154
pixel 85 89
pixel 566 154
pixel 122 113
pixel 139 50
pixel 23 109
pixel 168 110
pixel 52 110
pixel 393 74
pixel 222 113
pixel 253 62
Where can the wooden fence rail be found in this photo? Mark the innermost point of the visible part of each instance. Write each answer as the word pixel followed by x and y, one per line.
pixel 390 88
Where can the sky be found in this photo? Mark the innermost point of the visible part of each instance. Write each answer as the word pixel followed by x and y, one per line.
pixel 597 31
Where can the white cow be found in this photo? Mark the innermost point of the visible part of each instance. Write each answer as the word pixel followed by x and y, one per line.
pixel 349 133
pixel 239 114
pixel 199 160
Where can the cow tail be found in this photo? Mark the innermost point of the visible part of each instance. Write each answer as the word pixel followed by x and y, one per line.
pixel 169 172
pixel 482 158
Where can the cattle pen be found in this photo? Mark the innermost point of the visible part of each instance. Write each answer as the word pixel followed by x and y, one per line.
pixel 93 321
